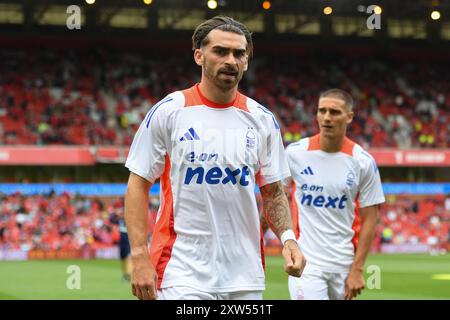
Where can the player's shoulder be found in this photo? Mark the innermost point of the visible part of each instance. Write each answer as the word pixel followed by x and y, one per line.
pixel 360 154
pixel 255 107
pixel 174 100
pixel 363 157
pixel 184 98
pixel 162 109
pixel 300 145
pixel 171 103
pixel 260 111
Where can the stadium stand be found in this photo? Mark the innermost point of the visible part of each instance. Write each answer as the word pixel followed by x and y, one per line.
pixel 99 97
pixel 412 220
pixel 64 222
pixel 71 222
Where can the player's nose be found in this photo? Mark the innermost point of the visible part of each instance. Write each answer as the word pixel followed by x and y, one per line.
pixel 327 116
pixel 230 59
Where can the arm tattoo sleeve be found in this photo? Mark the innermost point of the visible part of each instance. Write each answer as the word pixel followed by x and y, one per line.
pixel 276 208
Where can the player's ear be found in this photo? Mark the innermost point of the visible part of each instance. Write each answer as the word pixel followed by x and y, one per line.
pixel 246 62
pixel 198 57
pixel 349 117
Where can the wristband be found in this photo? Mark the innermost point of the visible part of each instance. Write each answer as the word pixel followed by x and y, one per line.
pixel 138 250
pixel 287 235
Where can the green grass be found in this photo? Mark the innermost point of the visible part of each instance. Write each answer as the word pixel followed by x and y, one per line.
pixel 402 277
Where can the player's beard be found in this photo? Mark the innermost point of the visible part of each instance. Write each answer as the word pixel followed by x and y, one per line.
pixel 221 80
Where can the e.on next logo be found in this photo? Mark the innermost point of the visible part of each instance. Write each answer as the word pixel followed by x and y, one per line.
pixel 321 201
pixel 215 175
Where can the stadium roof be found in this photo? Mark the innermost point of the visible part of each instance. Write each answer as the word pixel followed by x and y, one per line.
pixel 399 19
pixel 410 9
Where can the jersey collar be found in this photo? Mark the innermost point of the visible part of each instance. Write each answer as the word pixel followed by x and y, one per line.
pixel 212 104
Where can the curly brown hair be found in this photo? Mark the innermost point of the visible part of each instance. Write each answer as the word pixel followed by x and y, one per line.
pixel 200 36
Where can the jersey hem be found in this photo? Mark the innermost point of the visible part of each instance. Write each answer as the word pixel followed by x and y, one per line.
pixel 330 269
pixel 372 203
pixel 276 178
pixel 213 289
pixel 139 173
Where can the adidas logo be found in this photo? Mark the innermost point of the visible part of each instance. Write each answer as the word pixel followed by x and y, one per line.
pixel 307 171
pixel 190 135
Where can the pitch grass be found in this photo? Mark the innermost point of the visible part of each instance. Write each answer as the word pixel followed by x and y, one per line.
pixel 402 277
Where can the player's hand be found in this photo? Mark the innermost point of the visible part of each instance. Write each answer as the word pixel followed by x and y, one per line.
pixel 354 284
pixel 294 260
pixel 144 279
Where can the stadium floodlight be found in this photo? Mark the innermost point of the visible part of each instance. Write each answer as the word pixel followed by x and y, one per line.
pixel 148 2
pixel 90 1
pixel 212 4
pixel 361 8
pixel 266 5
pixel 435 15
pixel 327 10
pixel 377 10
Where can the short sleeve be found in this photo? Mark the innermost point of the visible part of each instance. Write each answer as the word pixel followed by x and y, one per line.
pixel 146 157
pixel 371 190
pixel 272 157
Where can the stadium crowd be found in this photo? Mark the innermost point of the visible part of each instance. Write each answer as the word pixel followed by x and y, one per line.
pixel 52 222
pixel 67 222
pixel 407 220
pixel 99 97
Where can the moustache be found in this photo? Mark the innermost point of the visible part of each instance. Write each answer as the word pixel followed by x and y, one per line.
pixel 229 71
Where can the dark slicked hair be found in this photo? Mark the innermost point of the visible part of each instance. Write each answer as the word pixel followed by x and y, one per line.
pixel 339 94
pixel 200 36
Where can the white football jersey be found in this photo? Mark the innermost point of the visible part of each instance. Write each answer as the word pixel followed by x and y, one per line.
pixel 209 158
pixel 328 190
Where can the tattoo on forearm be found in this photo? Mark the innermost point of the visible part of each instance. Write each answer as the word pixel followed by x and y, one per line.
pixel 276 208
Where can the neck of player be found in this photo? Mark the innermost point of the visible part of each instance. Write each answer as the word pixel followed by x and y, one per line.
pixel 216 94
pixel 331 144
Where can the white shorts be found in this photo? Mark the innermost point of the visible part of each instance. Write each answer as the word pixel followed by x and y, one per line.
pixel 187 293
pixel 315 284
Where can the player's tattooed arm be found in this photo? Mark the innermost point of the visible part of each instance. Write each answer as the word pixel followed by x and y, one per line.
pixel 276 208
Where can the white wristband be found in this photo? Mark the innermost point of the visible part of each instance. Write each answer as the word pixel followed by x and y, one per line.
pixel 288 235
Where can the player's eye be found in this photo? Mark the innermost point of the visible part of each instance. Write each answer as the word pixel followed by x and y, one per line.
pixel 335 112
pixel 220 52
